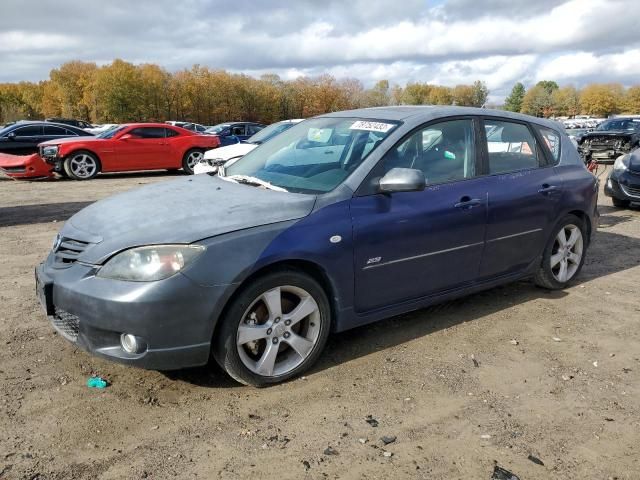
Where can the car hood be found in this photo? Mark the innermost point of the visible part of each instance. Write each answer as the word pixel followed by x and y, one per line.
pixel 609 133
pixel 85 138
pixel 230 151
pixel 179 211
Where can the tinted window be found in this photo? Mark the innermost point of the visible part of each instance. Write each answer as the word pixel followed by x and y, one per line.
pixel 148 132
pixel 511 147
pixel 57 131
pixel 31 131
pixel 444 152
pixel 620 124
pixel 552 139
pixel 237 130
pixel 272 130
pixel 170 133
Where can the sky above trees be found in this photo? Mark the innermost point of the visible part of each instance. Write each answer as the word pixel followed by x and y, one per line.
pixel 450 42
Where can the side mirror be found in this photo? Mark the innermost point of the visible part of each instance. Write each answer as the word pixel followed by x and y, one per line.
pixel 127 136
pixel 402 180
pixel 11 136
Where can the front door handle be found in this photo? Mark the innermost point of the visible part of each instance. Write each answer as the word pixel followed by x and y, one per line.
pixel 467 202
pixel 546 189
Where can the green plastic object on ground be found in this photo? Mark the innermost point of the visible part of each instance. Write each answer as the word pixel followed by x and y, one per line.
pixel 97 382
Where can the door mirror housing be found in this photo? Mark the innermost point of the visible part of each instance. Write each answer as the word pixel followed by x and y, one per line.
pixel 127 136
pixel 402 180
pixel 11 135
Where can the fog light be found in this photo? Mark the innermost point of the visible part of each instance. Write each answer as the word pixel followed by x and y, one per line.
pixel 130 343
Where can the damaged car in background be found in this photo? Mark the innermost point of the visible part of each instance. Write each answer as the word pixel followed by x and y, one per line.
pixel 301 236
pixel 612 138
pixel 623 182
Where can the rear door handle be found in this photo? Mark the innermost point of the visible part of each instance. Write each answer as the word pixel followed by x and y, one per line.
pixel 546 188
pixel 468 202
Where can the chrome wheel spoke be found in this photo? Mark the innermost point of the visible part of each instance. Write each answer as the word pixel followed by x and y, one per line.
pixel 557 258
pixel 562 238
pixel 268 360
pixel 305 308
pixel 273 301
pixel 248 333
pixel 562 274
pixel 301 345
pixel 573 237
pixel 574 258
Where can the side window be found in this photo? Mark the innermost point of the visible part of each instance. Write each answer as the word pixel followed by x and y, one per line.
pixel 511 147
pixel 170 133
pixel 148 132
pixel 237 130
pixel 443 151
pixel 70 133
pixel 253 129
pixel 552 139
pixel 31 131
pixel 54 131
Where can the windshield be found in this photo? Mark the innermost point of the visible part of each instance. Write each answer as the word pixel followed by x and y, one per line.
pixel 620 124
pixel 314 156
pixel 111 132
pixel 270 132
pixel 217 128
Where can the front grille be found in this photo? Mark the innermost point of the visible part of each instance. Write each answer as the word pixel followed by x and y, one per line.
pixel 66 323
pixel 68 251
pixel 631 191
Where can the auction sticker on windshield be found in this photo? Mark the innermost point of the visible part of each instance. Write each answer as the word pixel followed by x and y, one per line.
pixel 371 126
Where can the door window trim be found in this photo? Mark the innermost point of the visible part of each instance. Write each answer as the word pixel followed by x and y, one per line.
pixel 366 186
pixel 543 158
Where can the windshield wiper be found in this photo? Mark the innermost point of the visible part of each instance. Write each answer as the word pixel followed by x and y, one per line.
pixel 247 180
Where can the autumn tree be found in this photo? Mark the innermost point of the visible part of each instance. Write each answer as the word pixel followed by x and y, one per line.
pixel 566 101
pixel 602 99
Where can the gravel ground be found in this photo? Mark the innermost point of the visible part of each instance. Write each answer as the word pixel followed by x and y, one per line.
pixel 488 380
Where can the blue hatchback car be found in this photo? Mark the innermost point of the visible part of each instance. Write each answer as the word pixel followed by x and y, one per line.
pixel 342 220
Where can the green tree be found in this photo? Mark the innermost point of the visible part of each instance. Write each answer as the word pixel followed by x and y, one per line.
pixel 513 102
pixel 480 93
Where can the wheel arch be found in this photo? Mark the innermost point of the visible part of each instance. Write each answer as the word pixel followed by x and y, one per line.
pixel 586 220
pixel 310 268
pixel 83 149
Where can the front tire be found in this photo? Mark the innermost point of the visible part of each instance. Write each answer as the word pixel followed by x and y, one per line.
pixel 81 165
pixel 275 329
pixel 620 203
pixel 191 159
pixel 563 255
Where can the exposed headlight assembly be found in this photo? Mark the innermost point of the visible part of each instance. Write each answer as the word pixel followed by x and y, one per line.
pixel 148 264
pixel 50 150
pixel 621 164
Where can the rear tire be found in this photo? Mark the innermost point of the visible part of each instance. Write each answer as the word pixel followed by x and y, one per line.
pixel 620 203
pixel 191 158
pixel 564 254
pixel 274 329
pixel 82 165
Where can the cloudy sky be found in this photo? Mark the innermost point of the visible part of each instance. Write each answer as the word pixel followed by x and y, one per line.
pixel 437 41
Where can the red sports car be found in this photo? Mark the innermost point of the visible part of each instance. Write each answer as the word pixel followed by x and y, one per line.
pixel 136 146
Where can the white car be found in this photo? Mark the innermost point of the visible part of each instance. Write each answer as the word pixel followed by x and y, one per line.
pixel 220 156
pixel 98 129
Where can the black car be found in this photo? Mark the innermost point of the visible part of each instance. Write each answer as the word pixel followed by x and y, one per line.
pixel 623 183
pixel 23 138
pixel 234 132
pixel 612 138
pixel 70 121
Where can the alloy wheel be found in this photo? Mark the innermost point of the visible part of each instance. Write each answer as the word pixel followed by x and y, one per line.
pixel 194 158
pixel 83 165
pixel 278 331
pixel 566 254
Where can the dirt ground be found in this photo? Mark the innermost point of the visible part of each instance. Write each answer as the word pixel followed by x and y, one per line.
pixel 491 379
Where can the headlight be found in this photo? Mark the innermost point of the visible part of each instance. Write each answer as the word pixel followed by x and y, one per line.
pixel 621 164
pixel 148 264
pixel 50 150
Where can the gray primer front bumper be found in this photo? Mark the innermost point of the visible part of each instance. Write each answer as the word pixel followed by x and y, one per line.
pixel 173 316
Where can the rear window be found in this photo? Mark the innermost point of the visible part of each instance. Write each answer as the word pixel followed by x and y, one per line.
pixel 511 146
pixel 552 140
